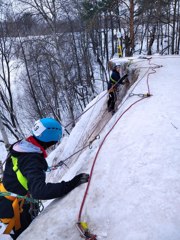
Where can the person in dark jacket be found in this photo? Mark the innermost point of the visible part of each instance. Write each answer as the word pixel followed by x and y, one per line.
pixel 24 175
pixel 114 82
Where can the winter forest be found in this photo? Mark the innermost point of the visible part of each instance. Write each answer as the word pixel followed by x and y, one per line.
pixel 55 53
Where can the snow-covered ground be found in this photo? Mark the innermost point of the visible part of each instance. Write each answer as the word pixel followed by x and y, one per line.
pixel 134 193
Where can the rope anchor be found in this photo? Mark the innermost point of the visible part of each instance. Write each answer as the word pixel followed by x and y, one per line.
pixel 91 142
pixel 142 95
pixel 84 231
pixel 63 162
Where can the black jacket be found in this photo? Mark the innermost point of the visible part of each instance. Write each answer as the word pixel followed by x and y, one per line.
pixel 115 77
pixel 33 166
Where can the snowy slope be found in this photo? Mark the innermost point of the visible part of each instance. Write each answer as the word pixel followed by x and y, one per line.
pixel 134 192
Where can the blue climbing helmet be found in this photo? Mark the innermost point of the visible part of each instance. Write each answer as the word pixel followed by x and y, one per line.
pixel 47 130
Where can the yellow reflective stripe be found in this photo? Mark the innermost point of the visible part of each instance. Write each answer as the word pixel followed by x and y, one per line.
pixel 114 81
pixel 20 177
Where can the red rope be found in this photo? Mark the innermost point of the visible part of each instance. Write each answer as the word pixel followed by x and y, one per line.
pixel 153 71
pixel 149 59
pixel 92 105
pixel 97 153
pixel 92 168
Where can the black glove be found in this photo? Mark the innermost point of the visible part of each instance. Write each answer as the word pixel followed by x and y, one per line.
pixel 127 81
pixel 79 179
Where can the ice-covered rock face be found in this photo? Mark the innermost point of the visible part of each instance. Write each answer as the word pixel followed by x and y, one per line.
pixel 5 236
pixel 134 193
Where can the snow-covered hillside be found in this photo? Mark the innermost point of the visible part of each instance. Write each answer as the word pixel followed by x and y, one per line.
pixel 134 193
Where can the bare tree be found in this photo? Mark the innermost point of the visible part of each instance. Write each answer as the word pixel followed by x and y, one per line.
pixel 9 117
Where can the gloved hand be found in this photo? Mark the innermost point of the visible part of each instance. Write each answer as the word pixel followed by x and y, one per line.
pixel 127 82
pixel 80 179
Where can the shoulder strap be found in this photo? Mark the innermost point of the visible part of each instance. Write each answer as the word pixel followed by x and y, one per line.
pixel 113 81
pixel 22 180
pixel 17 205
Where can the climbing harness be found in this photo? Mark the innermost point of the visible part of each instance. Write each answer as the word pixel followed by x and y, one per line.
pixel 17 204
pixel 36 205
pixel 18 201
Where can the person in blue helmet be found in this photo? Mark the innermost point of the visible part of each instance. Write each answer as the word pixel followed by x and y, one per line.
pixel 24 176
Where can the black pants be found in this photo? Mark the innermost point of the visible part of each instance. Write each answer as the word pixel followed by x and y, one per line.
pixel 25 219
pixel 111 101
